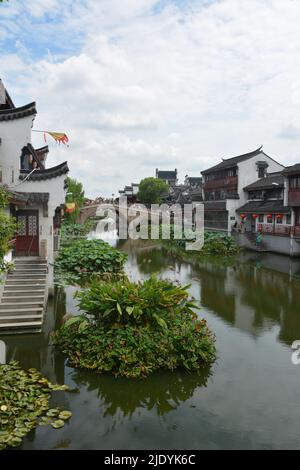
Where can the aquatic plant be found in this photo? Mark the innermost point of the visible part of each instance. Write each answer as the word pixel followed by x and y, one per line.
pixel 132 329
pixel 24 404
pixel 69 231
pixel 85 257
pixel 215 243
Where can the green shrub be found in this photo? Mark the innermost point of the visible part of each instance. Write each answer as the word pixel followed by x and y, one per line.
pixel 215 243
pixel 133 329
pixel 88 257
pixel 8 226
pixel 69 230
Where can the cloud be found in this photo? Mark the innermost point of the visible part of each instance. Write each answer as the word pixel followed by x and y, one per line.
pixel 140 84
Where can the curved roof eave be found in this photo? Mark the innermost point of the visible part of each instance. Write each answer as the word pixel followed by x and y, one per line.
pixel 18 113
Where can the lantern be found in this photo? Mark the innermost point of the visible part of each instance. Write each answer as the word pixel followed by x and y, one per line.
pixel 270 216
pixel 279 216
pixel 70 207
pixel 243 216
pixel 254 216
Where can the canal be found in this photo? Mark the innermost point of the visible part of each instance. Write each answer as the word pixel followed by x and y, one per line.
pixel 248 399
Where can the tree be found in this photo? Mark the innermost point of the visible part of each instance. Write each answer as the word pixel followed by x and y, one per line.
pixel 151 190
pixel 75 194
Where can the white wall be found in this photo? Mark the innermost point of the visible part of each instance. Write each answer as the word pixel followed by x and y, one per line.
pixel 14 136
pixel 55 188
pixel 248 173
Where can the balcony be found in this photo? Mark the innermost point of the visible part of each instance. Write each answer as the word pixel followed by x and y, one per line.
pixel 283 230
pixel 294 197
pixel 229 183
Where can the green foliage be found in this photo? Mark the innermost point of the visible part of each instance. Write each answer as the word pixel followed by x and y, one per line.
pixel 132 330
pixel 87 257
pixel 77 196
pixel 128 302
pixel 215 244
pixel 24 404
pixel 151 190
pixel 7 225
pixel 69 231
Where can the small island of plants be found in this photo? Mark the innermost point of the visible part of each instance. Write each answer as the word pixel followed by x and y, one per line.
pixel 87 257
pixel 132 329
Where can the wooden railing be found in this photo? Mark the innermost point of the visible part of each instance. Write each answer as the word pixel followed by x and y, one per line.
pixel 285 230
pixel 228 183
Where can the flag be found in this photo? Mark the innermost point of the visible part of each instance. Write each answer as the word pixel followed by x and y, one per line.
pixel 59 137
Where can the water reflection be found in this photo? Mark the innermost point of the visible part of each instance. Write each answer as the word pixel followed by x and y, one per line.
pixel 161 392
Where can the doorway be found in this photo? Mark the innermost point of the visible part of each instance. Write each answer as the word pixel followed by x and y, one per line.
pixel 27 243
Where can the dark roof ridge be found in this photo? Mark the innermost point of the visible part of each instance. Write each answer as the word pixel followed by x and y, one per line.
pixel 47 173
pixel 248 154
pixel 17 113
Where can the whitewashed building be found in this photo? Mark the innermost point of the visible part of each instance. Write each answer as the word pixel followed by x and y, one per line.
pixel 38 192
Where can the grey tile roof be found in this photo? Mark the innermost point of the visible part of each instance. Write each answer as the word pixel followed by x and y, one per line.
pixel 272 180
pixel 17 113
pixel 231 162
pixel 264 207
pixel 49 173
pixel 290 170
pixel 35 198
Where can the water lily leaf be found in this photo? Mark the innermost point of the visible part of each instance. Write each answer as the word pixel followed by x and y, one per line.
pixel 65 415
pixel 53 412
pixel 59 423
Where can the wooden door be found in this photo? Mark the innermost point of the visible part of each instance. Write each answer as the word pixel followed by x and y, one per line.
pixel 27 243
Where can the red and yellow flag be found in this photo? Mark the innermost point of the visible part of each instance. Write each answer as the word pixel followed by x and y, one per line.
pixel 59 137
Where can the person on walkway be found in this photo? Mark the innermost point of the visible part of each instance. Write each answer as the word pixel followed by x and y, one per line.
pixel 259 239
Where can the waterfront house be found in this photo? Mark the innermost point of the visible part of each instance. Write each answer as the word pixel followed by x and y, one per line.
pixel 224 183
pixel 38 192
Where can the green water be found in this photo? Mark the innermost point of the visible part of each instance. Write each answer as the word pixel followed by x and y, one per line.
pixel 249 398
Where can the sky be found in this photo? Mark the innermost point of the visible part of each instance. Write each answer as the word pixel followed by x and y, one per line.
pixel 145 84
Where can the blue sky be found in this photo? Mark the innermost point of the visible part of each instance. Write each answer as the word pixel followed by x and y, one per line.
pixel 140 84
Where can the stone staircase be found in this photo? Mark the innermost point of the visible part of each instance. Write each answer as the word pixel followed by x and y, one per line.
pixel 24 297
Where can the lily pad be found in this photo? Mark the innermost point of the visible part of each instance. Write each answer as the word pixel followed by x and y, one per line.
pixel 65 415
pixel 53 412
pixel 59 423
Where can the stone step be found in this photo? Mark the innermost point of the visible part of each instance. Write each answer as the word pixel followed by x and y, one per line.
pixel 30 275
pixel 19 290
pixel 23 295
pixel 27 279
pixel 30 263
pixel 35 324
pixel 16 305
pixel 21 310
pixel 26 270
pixel 29 260
pixel 25 287
pixel 20 317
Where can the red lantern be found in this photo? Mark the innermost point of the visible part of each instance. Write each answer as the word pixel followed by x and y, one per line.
pixel 279 216
pixel 243 216
pixel 254 216
pixel 270 216
pixel 70 207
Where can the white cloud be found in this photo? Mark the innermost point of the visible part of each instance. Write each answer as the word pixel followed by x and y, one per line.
pixel 180 87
